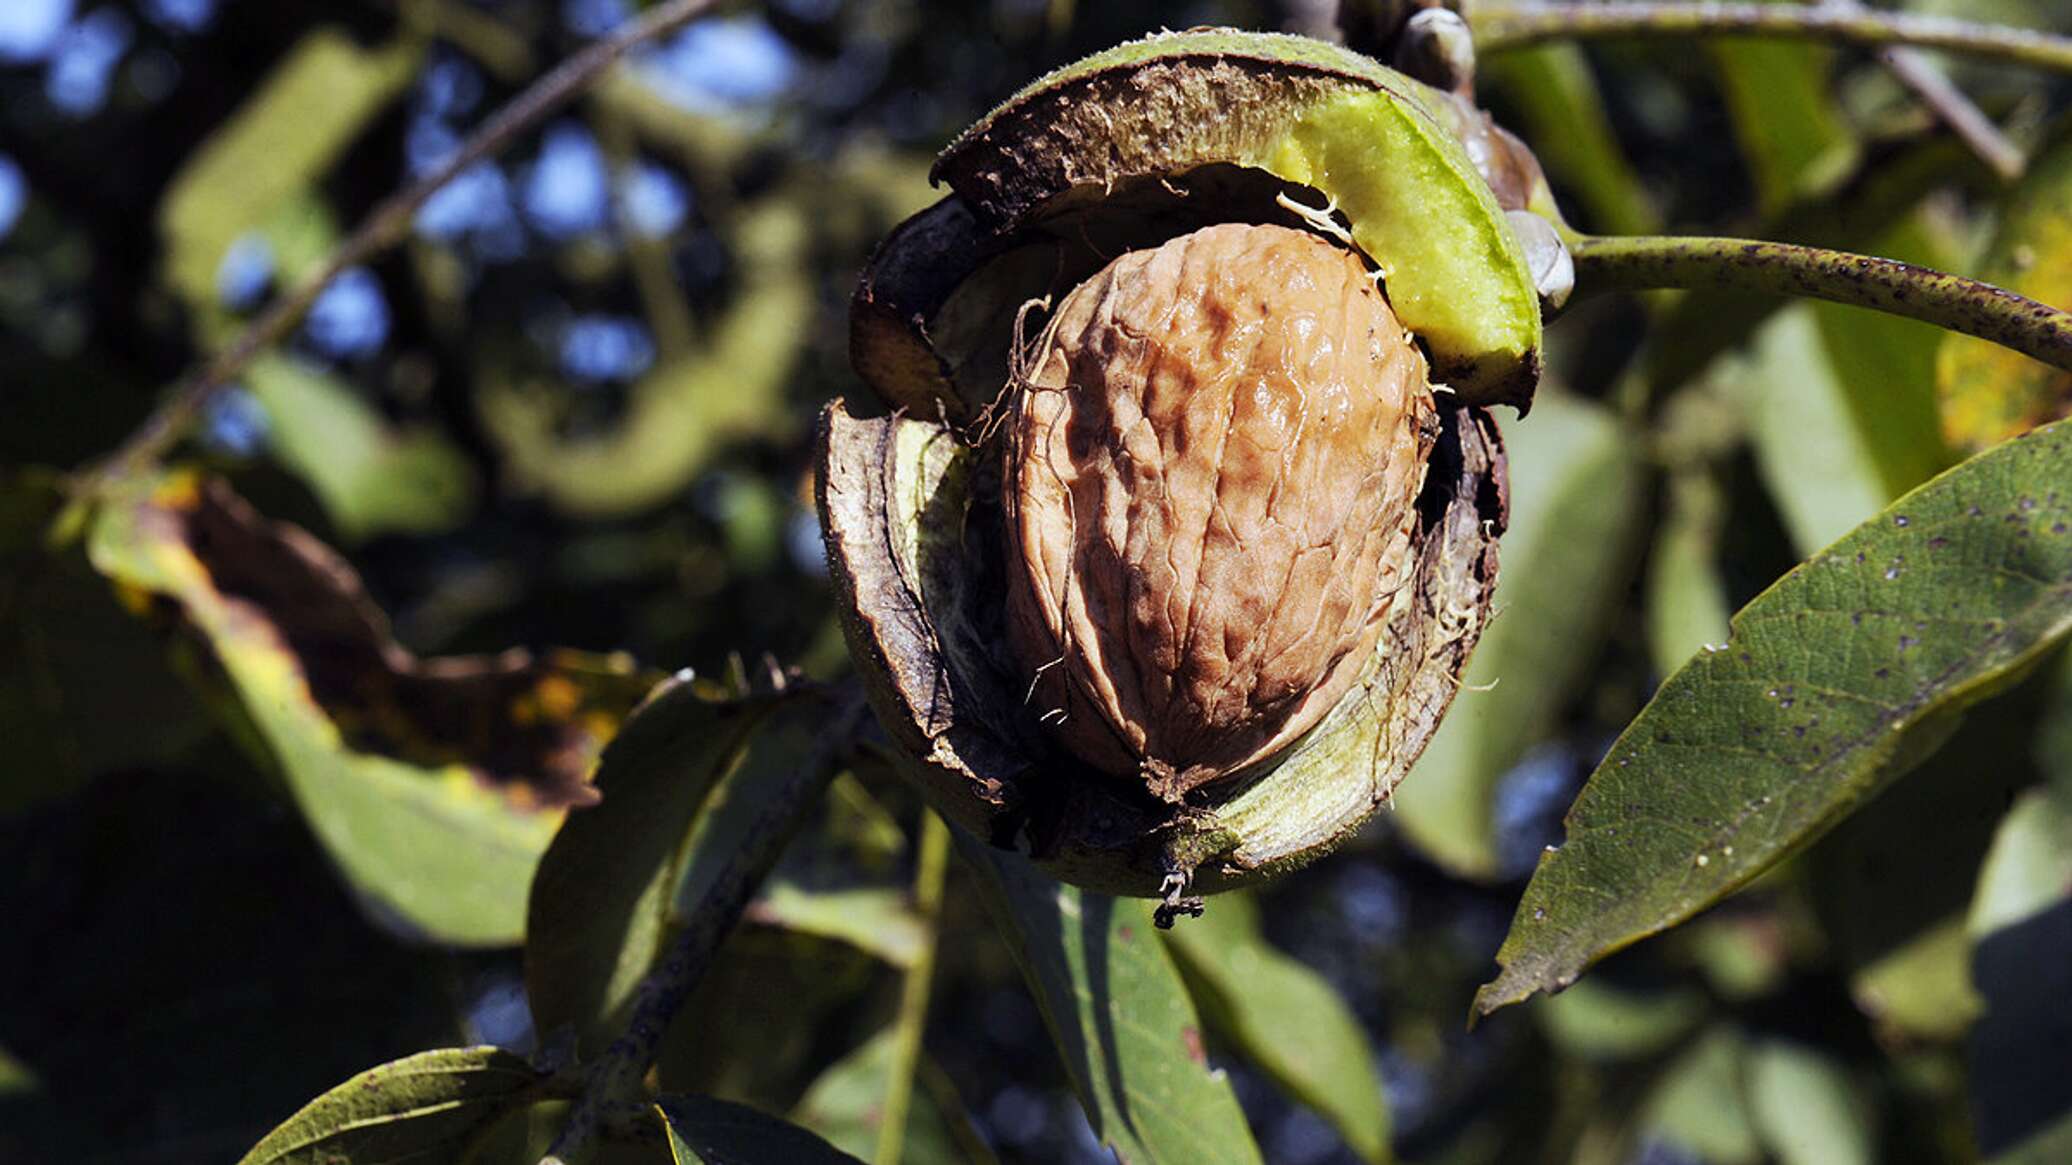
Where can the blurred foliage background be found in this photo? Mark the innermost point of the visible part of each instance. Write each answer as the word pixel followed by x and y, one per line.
pixel 572 415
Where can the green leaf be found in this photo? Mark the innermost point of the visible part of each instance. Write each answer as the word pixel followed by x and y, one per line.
pixel 1686 593
pixel 72 661
pixel 1891 884
pixel 685 411
pixel 843 1105
pixel 1698 1104
pixel 372 476
pixel 1285 1018
pixel 1577 498
pixel 877 920
pixel 1805 1108
pixel 1986 392
pixel 1842 413
pixel 1750 752
pixel 2021 927
pixel 434 784
pixel 424 1108
pixel 1789 129
pixel 286 136
pixel 704 1131
pixel 1599 1021
pixel 1562 112
pixel 1117 1013
pixel 599 910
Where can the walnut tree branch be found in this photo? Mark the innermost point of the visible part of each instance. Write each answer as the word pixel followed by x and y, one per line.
pixel 1505 26
pixel 385 226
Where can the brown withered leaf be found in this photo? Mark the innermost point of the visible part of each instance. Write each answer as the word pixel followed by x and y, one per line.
pixel 435 783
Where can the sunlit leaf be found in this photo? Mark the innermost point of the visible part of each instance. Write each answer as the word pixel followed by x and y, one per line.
pixel 600 903
pixel 1750 752
pixel 288 133
pixel 1285 1018
pixel 1805 1107
pixel 420 1109
pixel 2021 927
pixel 1576 503
pixel 844 1105
pixel 371 475
pixel 1118 1015
pixel 434 783
pixel 1986 392
pixel 704 1131
pixel 684 411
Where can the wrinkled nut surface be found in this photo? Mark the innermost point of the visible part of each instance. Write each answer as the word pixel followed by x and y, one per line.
pixel 1183 615
pixel 1209 478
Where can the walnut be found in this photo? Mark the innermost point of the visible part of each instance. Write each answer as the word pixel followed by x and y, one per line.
pixel 1210 470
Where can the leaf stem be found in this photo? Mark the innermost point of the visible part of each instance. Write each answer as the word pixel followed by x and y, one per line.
pixel 1650 262
pixel 1507 26
pixel 930 866
pixel 615 1082
pixel 385 226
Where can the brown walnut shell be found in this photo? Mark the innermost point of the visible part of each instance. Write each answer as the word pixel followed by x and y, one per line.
pixel 1211 461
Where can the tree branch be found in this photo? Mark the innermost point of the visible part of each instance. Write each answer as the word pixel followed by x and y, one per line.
pixel 386 225
pixel 1504 26
pixel 1652 262
pixel 614 1090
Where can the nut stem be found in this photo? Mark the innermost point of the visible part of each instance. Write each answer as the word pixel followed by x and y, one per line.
pixel 1653 262
pixel 1508 26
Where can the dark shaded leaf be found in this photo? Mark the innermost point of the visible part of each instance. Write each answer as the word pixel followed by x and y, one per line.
pixel 844 1105
pixel 1829 680
pixel 1577 495
pixel 434 783
pixel 72 661
pixel 1285 1018
pixel 1787 124
pixel 599 908
pixel 2021 960
pixel 1561 111
pixel 1117 1013
pixel 423 1108
pixel 684 411
pixel 704 1131
pixel 1892 883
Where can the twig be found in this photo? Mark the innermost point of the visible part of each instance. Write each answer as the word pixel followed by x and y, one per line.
pixel 615 1082
pixel 1912 69
pixel 1505 26
pixel 1955 110
pixel 913 992
pixel 1650 262
pixel 386 225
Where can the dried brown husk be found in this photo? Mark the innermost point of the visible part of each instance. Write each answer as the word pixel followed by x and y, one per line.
pixel 911 512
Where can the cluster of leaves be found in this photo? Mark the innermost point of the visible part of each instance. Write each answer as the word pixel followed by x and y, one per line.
pixel 572 409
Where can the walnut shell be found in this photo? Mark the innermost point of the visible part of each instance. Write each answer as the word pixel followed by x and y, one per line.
pixel 1210 469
